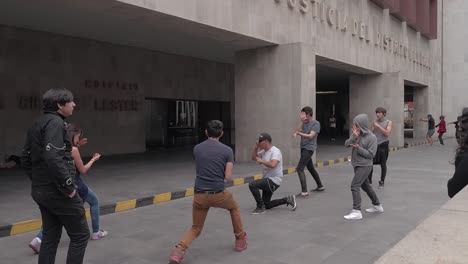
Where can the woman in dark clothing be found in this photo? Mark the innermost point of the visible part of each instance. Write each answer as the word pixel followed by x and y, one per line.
pixel 460 177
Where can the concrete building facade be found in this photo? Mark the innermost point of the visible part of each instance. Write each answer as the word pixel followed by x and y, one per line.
pixel 253 64
pixel 455 58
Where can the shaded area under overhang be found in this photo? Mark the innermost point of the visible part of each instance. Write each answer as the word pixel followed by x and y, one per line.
pixel 119 23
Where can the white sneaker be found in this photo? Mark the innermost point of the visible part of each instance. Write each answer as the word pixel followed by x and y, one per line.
pixel 354 215
pixel 35 245
pixel 99 234
pixel 375 209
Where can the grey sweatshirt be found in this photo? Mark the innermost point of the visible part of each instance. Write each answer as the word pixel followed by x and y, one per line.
pixel 367 141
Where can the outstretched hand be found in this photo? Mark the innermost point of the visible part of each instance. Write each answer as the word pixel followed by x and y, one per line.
pixel 96 156
pixel 82 141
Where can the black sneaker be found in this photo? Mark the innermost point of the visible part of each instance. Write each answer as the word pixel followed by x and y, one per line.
pixel 381 184
pixel 258 210
pixel 318 189
pixel 291 200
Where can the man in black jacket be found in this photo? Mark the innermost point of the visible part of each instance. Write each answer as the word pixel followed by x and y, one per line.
pixel 48 163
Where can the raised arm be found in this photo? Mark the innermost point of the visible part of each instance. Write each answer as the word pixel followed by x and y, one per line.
pixel 386 131
pixel 79 162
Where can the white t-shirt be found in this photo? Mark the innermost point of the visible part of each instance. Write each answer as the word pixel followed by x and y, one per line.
pixel 275 174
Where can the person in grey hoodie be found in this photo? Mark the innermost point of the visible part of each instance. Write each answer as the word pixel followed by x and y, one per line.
pixel 364 145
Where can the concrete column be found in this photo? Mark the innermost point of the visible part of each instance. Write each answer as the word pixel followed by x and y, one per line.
pixel 367 92
pixel 272 84
pixel 421 109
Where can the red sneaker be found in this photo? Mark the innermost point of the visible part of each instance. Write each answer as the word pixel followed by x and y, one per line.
pixel 241 243
pixel 177 255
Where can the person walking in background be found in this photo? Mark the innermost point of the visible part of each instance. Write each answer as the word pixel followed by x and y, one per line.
pixel 48 162
pixel 308 129
pixel 269 156
pixel 460 177
pixel 441 129
pixel 332 123
pixel 430 128
pixel 76 134
pixel 382 129
pixel 364 147
pixel 214 165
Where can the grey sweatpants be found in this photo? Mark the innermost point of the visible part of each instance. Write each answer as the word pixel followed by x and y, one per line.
pixel 361 180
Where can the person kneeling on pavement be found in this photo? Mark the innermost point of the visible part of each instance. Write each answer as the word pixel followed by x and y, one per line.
pixel 269 156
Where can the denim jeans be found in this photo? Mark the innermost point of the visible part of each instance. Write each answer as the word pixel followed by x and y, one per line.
pixel 93 202
pixel 306 161
pixel 59 211
pixel 268 187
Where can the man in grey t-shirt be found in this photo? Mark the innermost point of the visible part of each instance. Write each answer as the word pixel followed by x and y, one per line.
pixel 308 129
pixel 269 156
pixel 214 164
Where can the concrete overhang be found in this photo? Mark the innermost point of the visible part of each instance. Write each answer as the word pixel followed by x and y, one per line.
pixel 343 66
pixel 120 23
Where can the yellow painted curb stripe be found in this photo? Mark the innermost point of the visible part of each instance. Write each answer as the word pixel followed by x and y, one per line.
pixel 88 213
pixel 189 192
pixel 341 160
pixel 258 177
pixel 163 197
pixel 25 226
pixel 331 162
pixel 125 205
pixel 320 164
pixel 238 181
pixel 291 170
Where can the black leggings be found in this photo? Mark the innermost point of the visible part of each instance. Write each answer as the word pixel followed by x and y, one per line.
pixel 382 150
pixel 306 161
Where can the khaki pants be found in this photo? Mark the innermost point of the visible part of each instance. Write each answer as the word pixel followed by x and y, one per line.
pixel 201 205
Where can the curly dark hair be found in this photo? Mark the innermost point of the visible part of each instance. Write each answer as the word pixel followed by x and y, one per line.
pixel 463 145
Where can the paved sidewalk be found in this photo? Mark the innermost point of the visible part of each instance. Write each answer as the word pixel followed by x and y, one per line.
pixel 123 177
pixel 315 233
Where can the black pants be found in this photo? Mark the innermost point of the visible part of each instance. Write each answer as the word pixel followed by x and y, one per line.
pixel 440 137
pixel 268 187
pixel 382 150
pixel 333 132
pixel 59 211
pixel 306 161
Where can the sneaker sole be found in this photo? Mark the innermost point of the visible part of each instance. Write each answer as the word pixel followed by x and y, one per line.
pixel 374 211
pixel 295 204
pixel 317 190
pixel 257 213
pixel 353 218
pixel 240 249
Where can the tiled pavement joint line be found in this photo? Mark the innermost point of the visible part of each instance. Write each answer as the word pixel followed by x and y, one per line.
pixel 35 224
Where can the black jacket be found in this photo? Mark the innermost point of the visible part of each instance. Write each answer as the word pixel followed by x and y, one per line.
pixel 47 154
pixel 460 177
